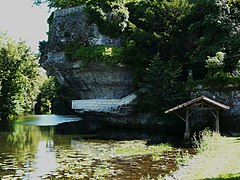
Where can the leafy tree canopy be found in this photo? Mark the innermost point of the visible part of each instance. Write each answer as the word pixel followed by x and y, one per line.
pixel 18 73
pixel 53 98
pixel 215 27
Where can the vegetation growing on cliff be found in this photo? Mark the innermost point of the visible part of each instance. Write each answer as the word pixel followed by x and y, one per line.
pixel 110 16
pixel 106 54
pixel 187 30
pixel 60 3
pixel 202 36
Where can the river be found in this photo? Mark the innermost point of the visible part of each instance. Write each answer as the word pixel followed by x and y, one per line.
pixel 66 147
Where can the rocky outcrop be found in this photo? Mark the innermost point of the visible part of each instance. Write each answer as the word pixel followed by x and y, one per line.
pixel 71 26
pixel 92 81
pixel 95 80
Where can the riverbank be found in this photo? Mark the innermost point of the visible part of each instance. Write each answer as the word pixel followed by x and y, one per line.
pixel 77 150
pixel 217 158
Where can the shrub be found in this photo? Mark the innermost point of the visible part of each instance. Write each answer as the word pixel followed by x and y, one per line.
pixel 106 54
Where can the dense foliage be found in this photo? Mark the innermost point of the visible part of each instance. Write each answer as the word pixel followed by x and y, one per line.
pixel 160 90
pixel 201 36
pixel 60 3
pixel 215 27
pixel 110 16
pixel 160 86
pixel 18 75
pixel 53 98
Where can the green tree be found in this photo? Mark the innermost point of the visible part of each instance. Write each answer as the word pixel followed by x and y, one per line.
pixel 161 87
pixel 214 26
pixel 59 3
pixel 46 96
pixel 17 77
pixel 155 27
pixel 54 98
pixel 161 90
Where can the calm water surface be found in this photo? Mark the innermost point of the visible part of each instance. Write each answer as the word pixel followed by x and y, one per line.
pixel 65 147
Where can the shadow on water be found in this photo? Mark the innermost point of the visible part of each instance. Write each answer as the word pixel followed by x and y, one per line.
pixel 49 147
pixel 91 129
pixel 96 130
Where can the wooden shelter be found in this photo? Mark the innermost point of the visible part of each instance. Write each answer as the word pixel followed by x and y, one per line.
pixel 198 105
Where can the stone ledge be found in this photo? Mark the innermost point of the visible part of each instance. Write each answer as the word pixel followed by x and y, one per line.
pixel 103 105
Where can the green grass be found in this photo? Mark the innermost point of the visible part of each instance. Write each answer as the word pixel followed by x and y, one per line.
pixel 227 176
pixel 217 158
pixel 137 148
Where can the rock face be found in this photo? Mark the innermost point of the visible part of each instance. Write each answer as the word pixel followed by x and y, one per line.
pixel 230 119
pixel 71 25
pixel 91 81
pixel 98 80
pixel 94 83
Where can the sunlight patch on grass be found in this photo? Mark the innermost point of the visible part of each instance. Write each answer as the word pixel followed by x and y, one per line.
pixel 136 148
pixel 217 157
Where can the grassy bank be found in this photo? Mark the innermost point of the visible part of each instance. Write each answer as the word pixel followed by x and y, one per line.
pixel 217 158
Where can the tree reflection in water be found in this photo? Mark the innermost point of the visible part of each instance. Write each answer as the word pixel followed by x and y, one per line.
pixel 30 153
pixel 72 151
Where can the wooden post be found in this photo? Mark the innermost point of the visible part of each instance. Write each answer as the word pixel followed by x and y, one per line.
pixel 217 120
pixel 187 120
pixel 187 129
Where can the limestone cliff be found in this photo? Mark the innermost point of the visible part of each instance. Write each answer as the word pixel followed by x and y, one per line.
pixel 95 80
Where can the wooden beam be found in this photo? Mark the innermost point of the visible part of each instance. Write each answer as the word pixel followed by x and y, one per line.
pixel 190 113
pixel 202 108
pixel 214 114
pixel 217 120
pixel 197 104
pixel 179 116
pixel 187 129
pixel 187 120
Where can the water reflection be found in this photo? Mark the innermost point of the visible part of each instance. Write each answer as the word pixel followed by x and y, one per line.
pixel 45 160
pixel 27 137
pixel 30 150
pixel 50 120
pixel 26 152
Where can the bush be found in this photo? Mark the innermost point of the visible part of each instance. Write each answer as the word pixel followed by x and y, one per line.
pixel 106 54
pixel 110 16
pixel 207 141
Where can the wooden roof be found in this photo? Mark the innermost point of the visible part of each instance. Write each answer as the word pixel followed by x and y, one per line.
pixel 197 100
